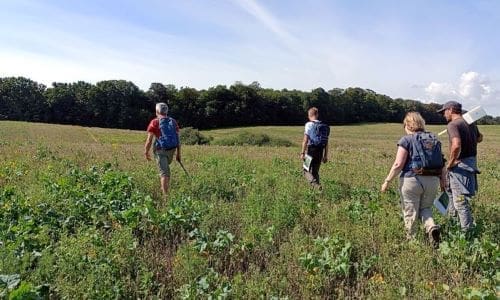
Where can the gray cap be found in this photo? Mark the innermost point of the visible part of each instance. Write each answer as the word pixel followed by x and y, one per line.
pixel 454 105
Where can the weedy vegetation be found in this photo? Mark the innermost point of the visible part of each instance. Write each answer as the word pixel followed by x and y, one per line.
pixel 81 216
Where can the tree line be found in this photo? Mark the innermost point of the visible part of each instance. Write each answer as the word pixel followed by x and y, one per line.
pixel 121 104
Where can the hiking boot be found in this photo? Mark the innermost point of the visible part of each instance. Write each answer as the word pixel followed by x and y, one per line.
pixel 435 237
pixel 316 186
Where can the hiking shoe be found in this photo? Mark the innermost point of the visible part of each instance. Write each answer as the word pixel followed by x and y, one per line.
pixel 316 186
pixel 434 237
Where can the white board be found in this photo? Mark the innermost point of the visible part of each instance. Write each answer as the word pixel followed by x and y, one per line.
pixel 474 114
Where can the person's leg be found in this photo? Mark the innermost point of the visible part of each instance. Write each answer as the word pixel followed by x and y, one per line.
pixel 163 159
pixel 461 202
pixel 164 183
pixel 315 170
pixel 411 191
pixel 313 175
pixel 431 184
pixel 452 212
pixel 318 153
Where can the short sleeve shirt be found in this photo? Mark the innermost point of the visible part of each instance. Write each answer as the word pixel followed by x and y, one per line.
pixel 468 136
pixel 309 131
pixel 406 142
pixel 154 127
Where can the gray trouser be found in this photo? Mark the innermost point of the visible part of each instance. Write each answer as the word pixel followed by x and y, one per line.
pixel 417 197
pixel 460 198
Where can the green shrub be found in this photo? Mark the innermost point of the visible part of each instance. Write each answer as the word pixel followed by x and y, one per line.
pixel 253 139
pixel 191 136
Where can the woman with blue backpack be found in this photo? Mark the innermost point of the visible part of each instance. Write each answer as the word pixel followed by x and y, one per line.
pixel 419 163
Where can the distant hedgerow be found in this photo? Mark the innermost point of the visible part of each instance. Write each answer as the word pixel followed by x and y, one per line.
pixel 247 138
pixel 191 136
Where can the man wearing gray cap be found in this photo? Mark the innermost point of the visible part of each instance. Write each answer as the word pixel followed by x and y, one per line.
pixel 462 168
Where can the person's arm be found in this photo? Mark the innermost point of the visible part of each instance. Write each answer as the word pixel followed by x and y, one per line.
pixel 443 179
pixel 397 166
pixel 178 153
pixel 455 147
pixel 325 154
pixel 178 150
pixel 304 147
pixel 479 136
pixel 147 145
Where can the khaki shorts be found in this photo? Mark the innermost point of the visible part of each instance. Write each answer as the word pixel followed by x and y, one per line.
pixel 163 159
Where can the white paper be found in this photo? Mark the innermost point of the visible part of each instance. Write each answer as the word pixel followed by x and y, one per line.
pixel 307 162
pixel 441 203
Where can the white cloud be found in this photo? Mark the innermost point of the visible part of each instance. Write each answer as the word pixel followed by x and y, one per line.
pixel 441 91
pixel 471 89
pixel 473 86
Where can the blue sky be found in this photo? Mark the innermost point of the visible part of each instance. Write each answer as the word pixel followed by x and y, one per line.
pixel 424 50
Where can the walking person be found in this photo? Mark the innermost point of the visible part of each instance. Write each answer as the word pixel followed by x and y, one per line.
pixel 164 130
pixel 462 163
pixel 315 144
pixel 419 164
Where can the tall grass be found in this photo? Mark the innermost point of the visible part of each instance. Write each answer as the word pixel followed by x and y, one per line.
pixel 81 216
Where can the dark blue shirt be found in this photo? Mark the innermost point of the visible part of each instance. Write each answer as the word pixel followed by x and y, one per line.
pixel 406 142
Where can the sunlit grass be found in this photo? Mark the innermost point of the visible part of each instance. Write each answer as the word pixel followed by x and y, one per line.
pixel 258 195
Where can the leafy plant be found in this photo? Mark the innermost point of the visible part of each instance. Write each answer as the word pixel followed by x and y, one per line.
pixel 210 285
pixel 329 256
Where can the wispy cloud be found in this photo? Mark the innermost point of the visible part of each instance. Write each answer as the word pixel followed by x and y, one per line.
pixel 272 23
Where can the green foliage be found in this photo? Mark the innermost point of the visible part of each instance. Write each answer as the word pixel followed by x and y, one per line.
pixel 247 138
pixel 22 99
pixel 244 225
pixel 210 285
pixel 182 216
pixel 25 292
pixel 11 287
pixel 93 265
pixel 191 136
pixel 474 256
pixel 100 197
pixel 329 256
pixel 121 104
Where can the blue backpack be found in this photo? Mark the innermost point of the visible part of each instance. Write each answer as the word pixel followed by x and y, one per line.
pixel 322 132
pixel 168 138
pixel 427 158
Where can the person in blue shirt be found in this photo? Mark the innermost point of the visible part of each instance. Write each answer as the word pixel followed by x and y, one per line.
pixel 417 191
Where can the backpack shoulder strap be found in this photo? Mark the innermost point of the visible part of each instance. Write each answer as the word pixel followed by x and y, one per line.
pixel 415 144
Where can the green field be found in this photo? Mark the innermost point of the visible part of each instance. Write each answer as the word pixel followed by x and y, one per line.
pixel 81 216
